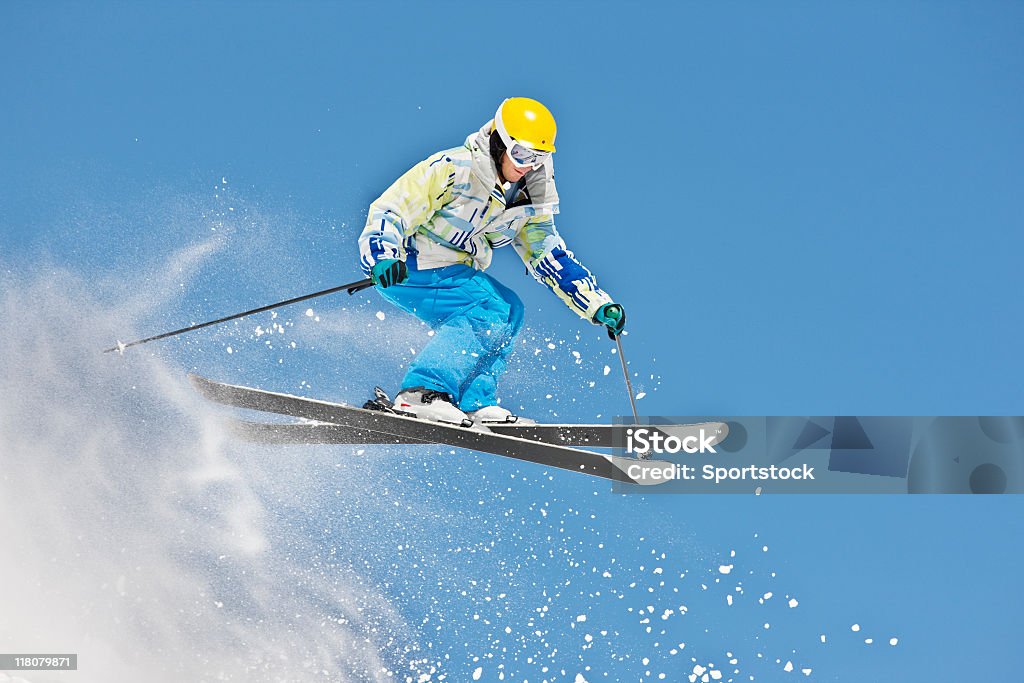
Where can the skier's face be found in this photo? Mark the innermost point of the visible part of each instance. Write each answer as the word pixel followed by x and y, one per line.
pixel 510 171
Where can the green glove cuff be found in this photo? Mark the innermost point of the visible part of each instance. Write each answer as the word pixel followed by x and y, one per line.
pixel 389 272
pixel 612 316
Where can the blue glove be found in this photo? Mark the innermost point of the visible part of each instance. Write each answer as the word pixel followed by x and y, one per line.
pixel 613 317
pixel 389 272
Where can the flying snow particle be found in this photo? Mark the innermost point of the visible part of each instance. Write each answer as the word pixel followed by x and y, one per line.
pixel 855 628
pixel 230 350
pixel 309 312
pixel 607 370
pixel 478 673
pixel 380 315
pixel 894 641
pixel 793 602
pixel 641 395
pixel 725 569
pixel 581 618
pixel 788 667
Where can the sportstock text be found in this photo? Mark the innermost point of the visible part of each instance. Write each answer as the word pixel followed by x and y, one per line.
pixel 647 441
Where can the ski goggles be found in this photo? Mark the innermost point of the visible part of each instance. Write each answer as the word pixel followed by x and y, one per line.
pixel 523 156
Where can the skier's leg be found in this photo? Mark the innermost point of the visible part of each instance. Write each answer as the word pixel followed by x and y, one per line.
pixel 503 311
pixel 448 300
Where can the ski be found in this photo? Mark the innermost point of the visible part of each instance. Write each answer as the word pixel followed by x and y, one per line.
pixel 593 435
pixel 412 430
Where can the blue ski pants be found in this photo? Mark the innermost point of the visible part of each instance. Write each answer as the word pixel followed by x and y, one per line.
pixel 475 321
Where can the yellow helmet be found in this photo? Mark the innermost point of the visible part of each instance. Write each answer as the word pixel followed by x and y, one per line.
pixel 526 121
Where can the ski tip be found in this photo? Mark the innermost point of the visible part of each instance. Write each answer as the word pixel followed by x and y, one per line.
pixel 200 383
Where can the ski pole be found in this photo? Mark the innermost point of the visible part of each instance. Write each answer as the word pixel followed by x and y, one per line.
pixel 629 385
pixel 351 288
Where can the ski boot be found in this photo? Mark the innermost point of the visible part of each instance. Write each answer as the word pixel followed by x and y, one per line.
pixel 421 403
pixel 498 415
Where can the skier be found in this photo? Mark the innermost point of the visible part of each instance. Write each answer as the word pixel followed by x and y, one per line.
pixel 430 236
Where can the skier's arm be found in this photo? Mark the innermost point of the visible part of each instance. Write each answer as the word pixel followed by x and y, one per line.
pixel 407 204
pixel 551 263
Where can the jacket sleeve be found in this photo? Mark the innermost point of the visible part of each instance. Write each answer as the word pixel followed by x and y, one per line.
pixel 410 202
pixel 551 263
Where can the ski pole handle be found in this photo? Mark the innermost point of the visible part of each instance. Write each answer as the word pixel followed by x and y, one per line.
pixel 360 286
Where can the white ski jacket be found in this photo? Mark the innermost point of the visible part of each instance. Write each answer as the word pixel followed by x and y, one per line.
pixel 450 208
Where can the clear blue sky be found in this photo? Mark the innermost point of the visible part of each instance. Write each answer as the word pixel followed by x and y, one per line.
pixel 806 208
